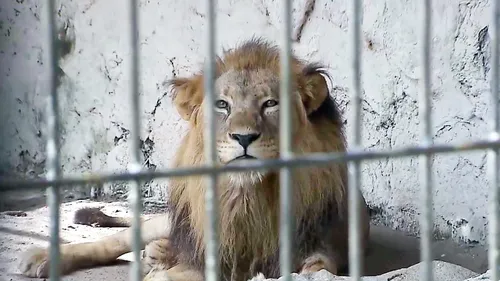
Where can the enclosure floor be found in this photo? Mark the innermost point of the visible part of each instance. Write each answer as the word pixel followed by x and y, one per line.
pixel 390 249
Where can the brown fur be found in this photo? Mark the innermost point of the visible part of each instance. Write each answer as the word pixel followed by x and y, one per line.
pixel 190 191
pixel 248 201
pixel 96 218
pixel 256 209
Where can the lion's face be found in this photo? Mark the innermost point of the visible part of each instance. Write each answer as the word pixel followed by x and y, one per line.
pixel 247 116
pixel 247 90
pixel 247 120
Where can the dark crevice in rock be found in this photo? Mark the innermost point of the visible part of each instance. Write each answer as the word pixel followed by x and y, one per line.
pixel 367 107
pixel 66 39
pixel 147 147
pixel 124 133
pixel 482 55
pixel 158 101
pixel 28 165
pixel 455 231
pixel 174 71
pixel 304 20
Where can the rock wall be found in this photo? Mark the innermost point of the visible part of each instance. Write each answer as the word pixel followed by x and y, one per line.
pixel 94 82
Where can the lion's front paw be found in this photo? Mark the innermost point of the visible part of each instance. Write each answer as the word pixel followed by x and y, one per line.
pixel 258 277
pixel 158 252
pixel 35 263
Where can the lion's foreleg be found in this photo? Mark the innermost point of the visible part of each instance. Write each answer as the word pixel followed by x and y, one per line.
pixel 317 262
pixel 312 263
pixel 158 252
pixel 35 262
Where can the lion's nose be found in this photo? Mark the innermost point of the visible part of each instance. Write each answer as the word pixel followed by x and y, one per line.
pixel 244 140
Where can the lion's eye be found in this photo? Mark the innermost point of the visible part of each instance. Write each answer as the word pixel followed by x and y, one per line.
pixel 271 103
pixel 222 104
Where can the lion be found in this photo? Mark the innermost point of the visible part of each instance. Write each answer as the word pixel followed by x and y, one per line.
pixel 247 129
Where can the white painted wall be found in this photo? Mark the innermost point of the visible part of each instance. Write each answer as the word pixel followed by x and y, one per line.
pixel 94 91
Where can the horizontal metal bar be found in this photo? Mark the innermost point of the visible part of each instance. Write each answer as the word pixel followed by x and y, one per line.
pixel 315 159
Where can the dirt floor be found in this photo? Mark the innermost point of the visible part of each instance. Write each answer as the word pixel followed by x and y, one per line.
pixel 390 250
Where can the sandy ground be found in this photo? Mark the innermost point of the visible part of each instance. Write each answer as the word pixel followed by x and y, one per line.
pixel 390 249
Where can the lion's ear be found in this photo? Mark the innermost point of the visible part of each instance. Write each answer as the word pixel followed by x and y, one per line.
pixel 187 95
pixel 316 88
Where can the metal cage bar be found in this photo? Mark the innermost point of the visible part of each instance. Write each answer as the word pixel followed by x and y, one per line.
pixel 53 145
pixel 494 157
pixel 313 159
pixel 354 179
pixel 135 143
pixel 285 117
pixel 425 113
pixel 211 209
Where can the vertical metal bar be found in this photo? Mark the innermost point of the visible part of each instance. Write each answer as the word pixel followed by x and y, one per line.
pixel 53 146
pixel 494 158
pixel 355 257
pixel 426 160
pixel 211 199
pixel 135 166
pixel 286 203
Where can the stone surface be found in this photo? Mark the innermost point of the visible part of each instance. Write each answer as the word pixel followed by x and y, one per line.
pixel 94 80
pixel 483 277
pixel 443 271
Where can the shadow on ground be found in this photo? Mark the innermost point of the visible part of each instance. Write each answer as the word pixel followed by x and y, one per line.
pixel 391 250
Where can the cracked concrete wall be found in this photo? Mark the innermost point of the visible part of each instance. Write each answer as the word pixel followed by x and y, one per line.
pixel 94 82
